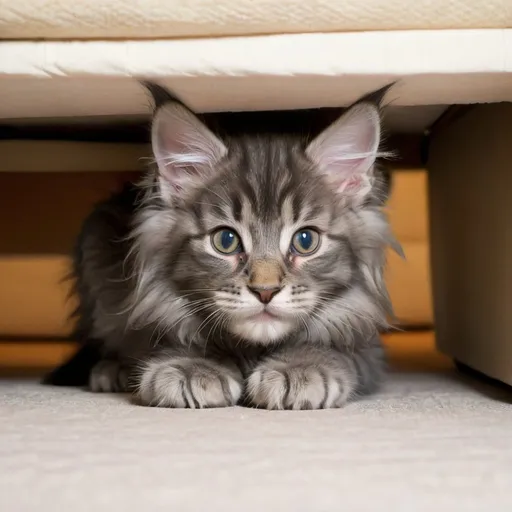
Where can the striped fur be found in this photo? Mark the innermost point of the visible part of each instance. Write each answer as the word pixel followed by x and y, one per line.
pixel 180 320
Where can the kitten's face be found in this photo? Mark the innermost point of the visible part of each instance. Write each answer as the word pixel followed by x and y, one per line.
pixel 269 245
pixel 262 236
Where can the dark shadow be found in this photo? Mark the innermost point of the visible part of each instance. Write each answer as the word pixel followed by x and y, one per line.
pixel 492 388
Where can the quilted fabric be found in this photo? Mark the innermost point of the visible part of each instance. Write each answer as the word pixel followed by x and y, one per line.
pixel 106 19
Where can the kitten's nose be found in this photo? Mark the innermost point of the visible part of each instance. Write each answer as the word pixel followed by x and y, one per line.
pixel 264 294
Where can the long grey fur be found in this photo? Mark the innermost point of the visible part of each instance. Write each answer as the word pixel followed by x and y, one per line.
pixel 157 312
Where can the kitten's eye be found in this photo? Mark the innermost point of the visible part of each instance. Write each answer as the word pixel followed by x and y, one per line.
pixel 226 241
pixel 305 242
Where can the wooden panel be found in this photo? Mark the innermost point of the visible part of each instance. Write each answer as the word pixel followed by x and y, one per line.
pixel 41 213
pixel 33 296
pixel 412 351
pixel 407 207
pixel 409 284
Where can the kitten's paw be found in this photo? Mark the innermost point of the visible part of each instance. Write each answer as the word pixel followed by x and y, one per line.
pixel 279 385
pixel 189 382
pixel 108 376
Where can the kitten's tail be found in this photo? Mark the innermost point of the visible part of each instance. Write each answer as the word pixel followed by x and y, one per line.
pixel 76 370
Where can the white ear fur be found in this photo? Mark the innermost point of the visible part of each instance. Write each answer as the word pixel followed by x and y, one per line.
pixel 185 150
pixel 346 151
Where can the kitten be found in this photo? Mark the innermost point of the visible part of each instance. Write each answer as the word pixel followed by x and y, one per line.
pixel 247 269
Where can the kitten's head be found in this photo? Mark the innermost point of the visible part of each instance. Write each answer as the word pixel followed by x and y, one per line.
pixel 263 236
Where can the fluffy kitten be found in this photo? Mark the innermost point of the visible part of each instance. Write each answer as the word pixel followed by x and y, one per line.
pixel 245 269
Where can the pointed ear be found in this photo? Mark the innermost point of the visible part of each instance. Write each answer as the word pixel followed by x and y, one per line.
pixel 185 150
pixel 346 151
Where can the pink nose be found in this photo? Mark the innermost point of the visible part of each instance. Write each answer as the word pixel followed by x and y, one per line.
pixel 265 295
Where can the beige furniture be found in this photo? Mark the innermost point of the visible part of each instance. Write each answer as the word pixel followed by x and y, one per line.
pixel 471 219
pixel 69 58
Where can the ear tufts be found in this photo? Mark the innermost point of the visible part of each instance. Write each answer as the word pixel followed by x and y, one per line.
pixel 160 95
pixel 347 150
pixel 376 97
pixel 185 150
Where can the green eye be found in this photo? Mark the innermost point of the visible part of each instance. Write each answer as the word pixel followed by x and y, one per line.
pixel 226 241
pixel 305 242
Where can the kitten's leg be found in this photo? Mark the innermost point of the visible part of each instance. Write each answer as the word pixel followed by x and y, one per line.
pixel 120 355
pixel 109 376
pixel 193 382
pixel 315 378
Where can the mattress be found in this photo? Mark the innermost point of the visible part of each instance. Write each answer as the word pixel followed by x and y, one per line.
pixel 41 79
pixel 105 19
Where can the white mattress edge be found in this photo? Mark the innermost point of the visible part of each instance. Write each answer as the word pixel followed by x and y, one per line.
pixel 264 72
pixel 387 52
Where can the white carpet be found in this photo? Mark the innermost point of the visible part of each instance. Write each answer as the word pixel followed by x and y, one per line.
pixel 429 442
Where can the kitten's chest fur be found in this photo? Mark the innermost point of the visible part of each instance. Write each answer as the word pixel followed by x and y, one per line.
pixel 218 346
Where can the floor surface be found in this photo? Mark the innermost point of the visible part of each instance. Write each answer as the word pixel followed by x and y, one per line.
pixel 431 440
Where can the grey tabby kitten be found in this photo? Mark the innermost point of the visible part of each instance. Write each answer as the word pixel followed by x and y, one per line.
pixel 244 270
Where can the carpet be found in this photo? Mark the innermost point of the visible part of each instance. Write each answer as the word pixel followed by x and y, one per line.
pixel 428 441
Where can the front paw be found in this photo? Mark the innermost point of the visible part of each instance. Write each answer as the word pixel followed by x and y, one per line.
pixel 184 382
pixel 281 385
pixel 109 376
